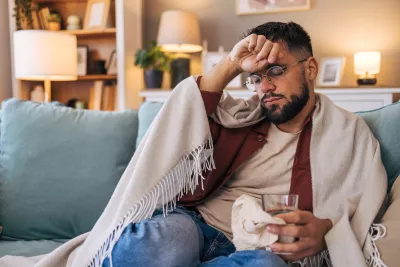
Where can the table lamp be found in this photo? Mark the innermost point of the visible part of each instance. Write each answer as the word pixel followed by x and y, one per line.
pixel 45 56
pixel 367 65
pixel 179 32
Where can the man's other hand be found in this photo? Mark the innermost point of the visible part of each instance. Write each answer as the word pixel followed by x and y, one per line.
pixel 308 229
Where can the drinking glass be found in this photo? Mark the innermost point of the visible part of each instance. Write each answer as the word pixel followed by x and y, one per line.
pixel 278 204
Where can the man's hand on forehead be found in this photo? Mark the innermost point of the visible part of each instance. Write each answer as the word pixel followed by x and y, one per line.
pixel 263 48
pixel 254 53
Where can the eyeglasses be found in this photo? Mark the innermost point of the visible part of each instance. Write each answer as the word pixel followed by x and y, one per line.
pixel 255 80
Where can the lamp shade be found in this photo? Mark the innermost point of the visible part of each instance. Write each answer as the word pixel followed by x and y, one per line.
pixel 45 55
pixel 367 62
pixel 179 31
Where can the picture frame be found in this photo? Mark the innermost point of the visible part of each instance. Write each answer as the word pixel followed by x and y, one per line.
pixel 112 68
pixel 83 58
pixel 331 71
pixel 97 12
pixel 248 7
pixel 210 59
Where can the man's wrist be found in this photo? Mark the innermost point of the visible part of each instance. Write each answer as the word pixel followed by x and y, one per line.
pixel 219 76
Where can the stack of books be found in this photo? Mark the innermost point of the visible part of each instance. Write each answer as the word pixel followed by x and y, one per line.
pixel 102 96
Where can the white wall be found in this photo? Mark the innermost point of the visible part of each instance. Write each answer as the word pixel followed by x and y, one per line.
pixel 5 58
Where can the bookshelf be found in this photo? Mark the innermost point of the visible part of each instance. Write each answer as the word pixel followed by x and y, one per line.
pixel 118 35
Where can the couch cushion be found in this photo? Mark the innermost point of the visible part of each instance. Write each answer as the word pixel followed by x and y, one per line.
pixel 59 167
pixel 385 125
pixel 28 248
pixel 147 112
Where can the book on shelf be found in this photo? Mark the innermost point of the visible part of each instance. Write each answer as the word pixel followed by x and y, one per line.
pixel 44 14
pixel 102 96
pixel 108 98
pixel 95 95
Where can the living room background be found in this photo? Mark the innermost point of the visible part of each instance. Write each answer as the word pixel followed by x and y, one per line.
pixel 337 28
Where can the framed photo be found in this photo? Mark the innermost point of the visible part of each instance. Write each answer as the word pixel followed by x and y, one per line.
pixel 112 64
pixel 246 7
pixel 331 71
pixel 83 52
pixel 210 59
pixel 97 12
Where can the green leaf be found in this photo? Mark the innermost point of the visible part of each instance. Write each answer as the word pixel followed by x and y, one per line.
pixel 153 58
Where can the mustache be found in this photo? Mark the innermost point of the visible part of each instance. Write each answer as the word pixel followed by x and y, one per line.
pixel 269 95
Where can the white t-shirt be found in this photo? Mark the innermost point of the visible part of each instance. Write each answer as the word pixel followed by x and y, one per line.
pixel 267 171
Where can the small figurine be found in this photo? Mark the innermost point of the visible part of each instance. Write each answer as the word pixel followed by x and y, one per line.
pixel 73 22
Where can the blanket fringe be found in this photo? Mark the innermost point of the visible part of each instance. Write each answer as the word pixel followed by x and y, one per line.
pixel 376 232
pixel 182 179
pixel 320 260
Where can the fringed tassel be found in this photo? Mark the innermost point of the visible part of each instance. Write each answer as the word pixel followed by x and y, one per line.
pixel 320 260
pixel 376 232
pixel 182 179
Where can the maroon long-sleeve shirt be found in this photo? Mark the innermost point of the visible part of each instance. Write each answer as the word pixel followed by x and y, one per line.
pixel 234 146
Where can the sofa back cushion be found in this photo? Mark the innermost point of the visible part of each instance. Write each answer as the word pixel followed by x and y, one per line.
pixel 385 125
pixel 147 112
pixel 59 167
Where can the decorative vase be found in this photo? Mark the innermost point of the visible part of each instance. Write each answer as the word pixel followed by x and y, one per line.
pixel 153 78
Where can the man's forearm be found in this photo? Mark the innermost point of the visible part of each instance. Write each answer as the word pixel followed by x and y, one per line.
pixel 216 79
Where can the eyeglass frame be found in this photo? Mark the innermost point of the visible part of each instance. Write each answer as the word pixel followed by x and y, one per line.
pixel 269 78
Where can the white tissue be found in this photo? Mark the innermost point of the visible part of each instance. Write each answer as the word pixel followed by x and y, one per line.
pixel 249 223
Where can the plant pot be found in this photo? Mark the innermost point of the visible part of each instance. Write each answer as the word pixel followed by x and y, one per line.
pixel 153 78
pixel 54 26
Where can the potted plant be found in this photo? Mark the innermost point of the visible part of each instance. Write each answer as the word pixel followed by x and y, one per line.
pixel 154 61
pixel 54 21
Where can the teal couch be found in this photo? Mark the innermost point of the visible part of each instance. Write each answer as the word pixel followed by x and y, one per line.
pixel 59 166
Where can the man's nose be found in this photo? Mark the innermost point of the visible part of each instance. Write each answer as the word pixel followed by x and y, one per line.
pixel 267 85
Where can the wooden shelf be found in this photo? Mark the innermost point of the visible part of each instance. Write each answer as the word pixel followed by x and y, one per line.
pixel 93 33
pixel 94 77
pixel 57 1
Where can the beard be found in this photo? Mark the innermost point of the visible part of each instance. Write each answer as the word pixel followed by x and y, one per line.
pixel 278 115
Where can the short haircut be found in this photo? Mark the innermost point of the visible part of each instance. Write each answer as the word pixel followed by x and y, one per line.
pixel 291 34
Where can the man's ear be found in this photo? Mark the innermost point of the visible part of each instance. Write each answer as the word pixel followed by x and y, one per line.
pixel 312 69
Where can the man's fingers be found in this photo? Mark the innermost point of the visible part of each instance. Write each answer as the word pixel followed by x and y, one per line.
pixel 265 50
pixel 252 39
pixel 288 230
pixel 273 55
pixel 295 247
pixel 260 43
pixel 262 64
pixel 296 217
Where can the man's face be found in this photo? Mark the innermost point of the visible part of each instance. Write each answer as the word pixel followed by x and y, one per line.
pixel 284 96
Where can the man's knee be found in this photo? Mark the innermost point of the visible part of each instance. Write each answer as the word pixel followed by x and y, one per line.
pixel 173 239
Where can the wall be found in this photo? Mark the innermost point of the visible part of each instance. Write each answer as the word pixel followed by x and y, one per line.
pixel 5 66
pixel 337 28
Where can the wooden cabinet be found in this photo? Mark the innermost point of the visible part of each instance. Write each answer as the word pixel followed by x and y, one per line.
pixel 123 35
pixel 351 99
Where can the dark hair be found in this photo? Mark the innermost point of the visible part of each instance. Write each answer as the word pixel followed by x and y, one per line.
pixel 291 33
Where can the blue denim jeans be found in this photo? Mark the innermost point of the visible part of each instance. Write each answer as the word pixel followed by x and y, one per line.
pixel 182 239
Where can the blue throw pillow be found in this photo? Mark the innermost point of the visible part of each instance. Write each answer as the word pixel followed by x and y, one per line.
pixel 385 125
pixel 59 166
pixel 147 112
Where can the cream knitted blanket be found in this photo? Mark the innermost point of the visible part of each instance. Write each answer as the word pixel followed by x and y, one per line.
pixel 348 178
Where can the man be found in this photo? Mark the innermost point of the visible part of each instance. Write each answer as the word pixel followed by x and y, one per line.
pixel 269 157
